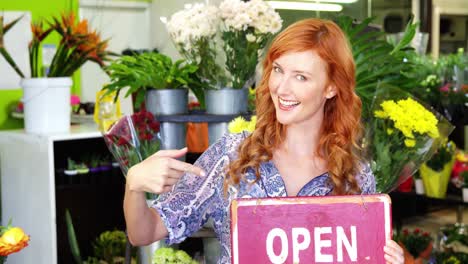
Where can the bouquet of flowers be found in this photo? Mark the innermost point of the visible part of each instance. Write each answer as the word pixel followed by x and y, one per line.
pixel 133 138
pixel 12 239
pixel 228 58
pixel 246 29
pixel 193 31
pixel 401 135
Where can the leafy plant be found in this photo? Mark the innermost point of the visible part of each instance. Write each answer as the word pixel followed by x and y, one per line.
pixel 78 44
pixel 169 255
pixel 109 245
pixel 464 176
pixel 71 164
pixel 3 30
pixel 74 248
pixel 442 156
pixel 377 61
pixel 415 241
pixel 147 71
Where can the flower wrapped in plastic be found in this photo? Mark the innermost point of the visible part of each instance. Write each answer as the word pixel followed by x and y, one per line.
pixel 401 135
pixel 133 138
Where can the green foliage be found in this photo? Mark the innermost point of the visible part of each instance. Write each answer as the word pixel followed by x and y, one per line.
pixel 110 244
pixel 242 55
pixel 442 156
pixel 167 255
pixel 415 241
pixel 74 248
pixel 464 176
pixel 378 61
pixel 148 71
pixel 451 258
pixel 71 164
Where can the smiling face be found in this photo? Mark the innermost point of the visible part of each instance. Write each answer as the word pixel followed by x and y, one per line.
pixel 299 88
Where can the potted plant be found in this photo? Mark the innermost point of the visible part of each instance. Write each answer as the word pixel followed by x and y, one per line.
pixel 81 168
pixel 417 245
pixel 71 167
pixel 163 82
pixel 153 76
pixel 452 244
pixel 93 163
pixel 435 173
pixel 78 44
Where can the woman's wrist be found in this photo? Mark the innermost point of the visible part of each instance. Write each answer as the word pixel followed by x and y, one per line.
pixel 130 181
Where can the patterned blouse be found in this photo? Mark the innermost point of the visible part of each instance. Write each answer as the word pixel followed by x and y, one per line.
pixel 195 199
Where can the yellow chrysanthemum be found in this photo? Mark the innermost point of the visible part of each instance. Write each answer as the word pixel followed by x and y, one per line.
pixel 252 123
pixel 239 124
pixel 410 142
pixel 409 117
pixel 13 240
pixel 462 156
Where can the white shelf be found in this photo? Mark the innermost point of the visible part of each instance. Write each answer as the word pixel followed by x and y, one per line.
pixel 27 173
pixel 82 131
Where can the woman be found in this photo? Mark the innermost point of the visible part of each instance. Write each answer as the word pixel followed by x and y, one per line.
pixel 307 110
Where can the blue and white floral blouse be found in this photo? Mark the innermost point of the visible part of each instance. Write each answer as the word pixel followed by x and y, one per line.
pixel 195 199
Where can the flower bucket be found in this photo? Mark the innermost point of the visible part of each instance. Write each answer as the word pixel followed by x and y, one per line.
pixel 436 182
pixel 167 101
pixel 419 186
pixel 465 195
pixel 46 105
pixel 225 101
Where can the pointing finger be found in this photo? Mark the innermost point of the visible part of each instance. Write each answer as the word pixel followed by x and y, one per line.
pixel 186 167
pixel 171 153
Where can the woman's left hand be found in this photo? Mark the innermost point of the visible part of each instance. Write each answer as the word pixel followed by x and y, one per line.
pixel 394 253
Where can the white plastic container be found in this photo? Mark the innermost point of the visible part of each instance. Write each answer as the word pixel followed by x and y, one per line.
pixel 465 195
pixel 419 186
pixel 46 104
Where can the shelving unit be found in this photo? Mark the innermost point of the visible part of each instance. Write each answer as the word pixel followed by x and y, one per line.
pixel 35 193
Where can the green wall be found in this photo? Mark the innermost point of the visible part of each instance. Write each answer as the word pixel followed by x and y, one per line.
pixel 39 9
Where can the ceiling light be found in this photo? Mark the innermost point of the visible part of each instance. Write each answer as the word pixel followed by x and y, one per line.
pixel 305 6
pixel 333 1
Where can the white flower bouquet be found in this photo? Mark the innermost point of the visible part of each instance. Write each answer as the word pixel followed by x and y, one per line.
pixel 246 29
pixel 193 31
pixel 227 59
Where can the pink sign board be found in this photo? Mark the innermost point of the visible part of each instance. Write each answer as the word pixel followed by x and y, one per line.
pixel 332 229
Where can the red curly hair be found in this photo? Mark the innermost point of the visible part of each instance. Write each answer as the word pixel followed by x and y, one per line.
pixel 341 128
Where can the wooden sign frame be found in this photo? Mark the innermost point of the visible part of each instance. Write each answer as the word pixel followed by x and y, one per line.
pixel 257 224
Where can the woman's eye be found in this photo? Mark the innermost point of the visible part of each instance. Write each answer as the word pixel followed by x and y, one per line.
pixel 301 77
pixel 276 69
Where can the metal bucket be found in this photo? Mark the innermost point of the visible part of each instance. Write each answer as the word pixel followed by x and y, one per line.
pixel 216 131
pixel 173 136
pixel 226 101
pixel 167 101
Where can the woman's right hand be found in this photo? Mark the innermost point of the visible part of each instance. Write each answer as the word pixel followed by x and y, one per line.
pixel 159 172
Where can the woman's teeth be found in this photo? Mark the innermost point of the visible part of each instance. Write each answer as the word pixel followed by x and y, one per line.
pixel 288 103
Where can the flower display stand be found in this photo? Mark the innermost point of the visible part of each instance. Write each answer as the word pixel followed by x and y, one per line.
pixel 35 194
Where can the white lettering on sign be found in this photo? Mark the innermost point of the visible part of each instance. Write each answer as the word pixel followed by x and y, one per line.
pixel 296 232
pixel 319 244
pixel 301 241
pixel 342 239
pixel 281 258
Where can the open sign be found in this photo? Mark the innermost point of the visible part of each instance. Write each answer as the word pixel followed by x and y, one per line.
pixel 333 229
